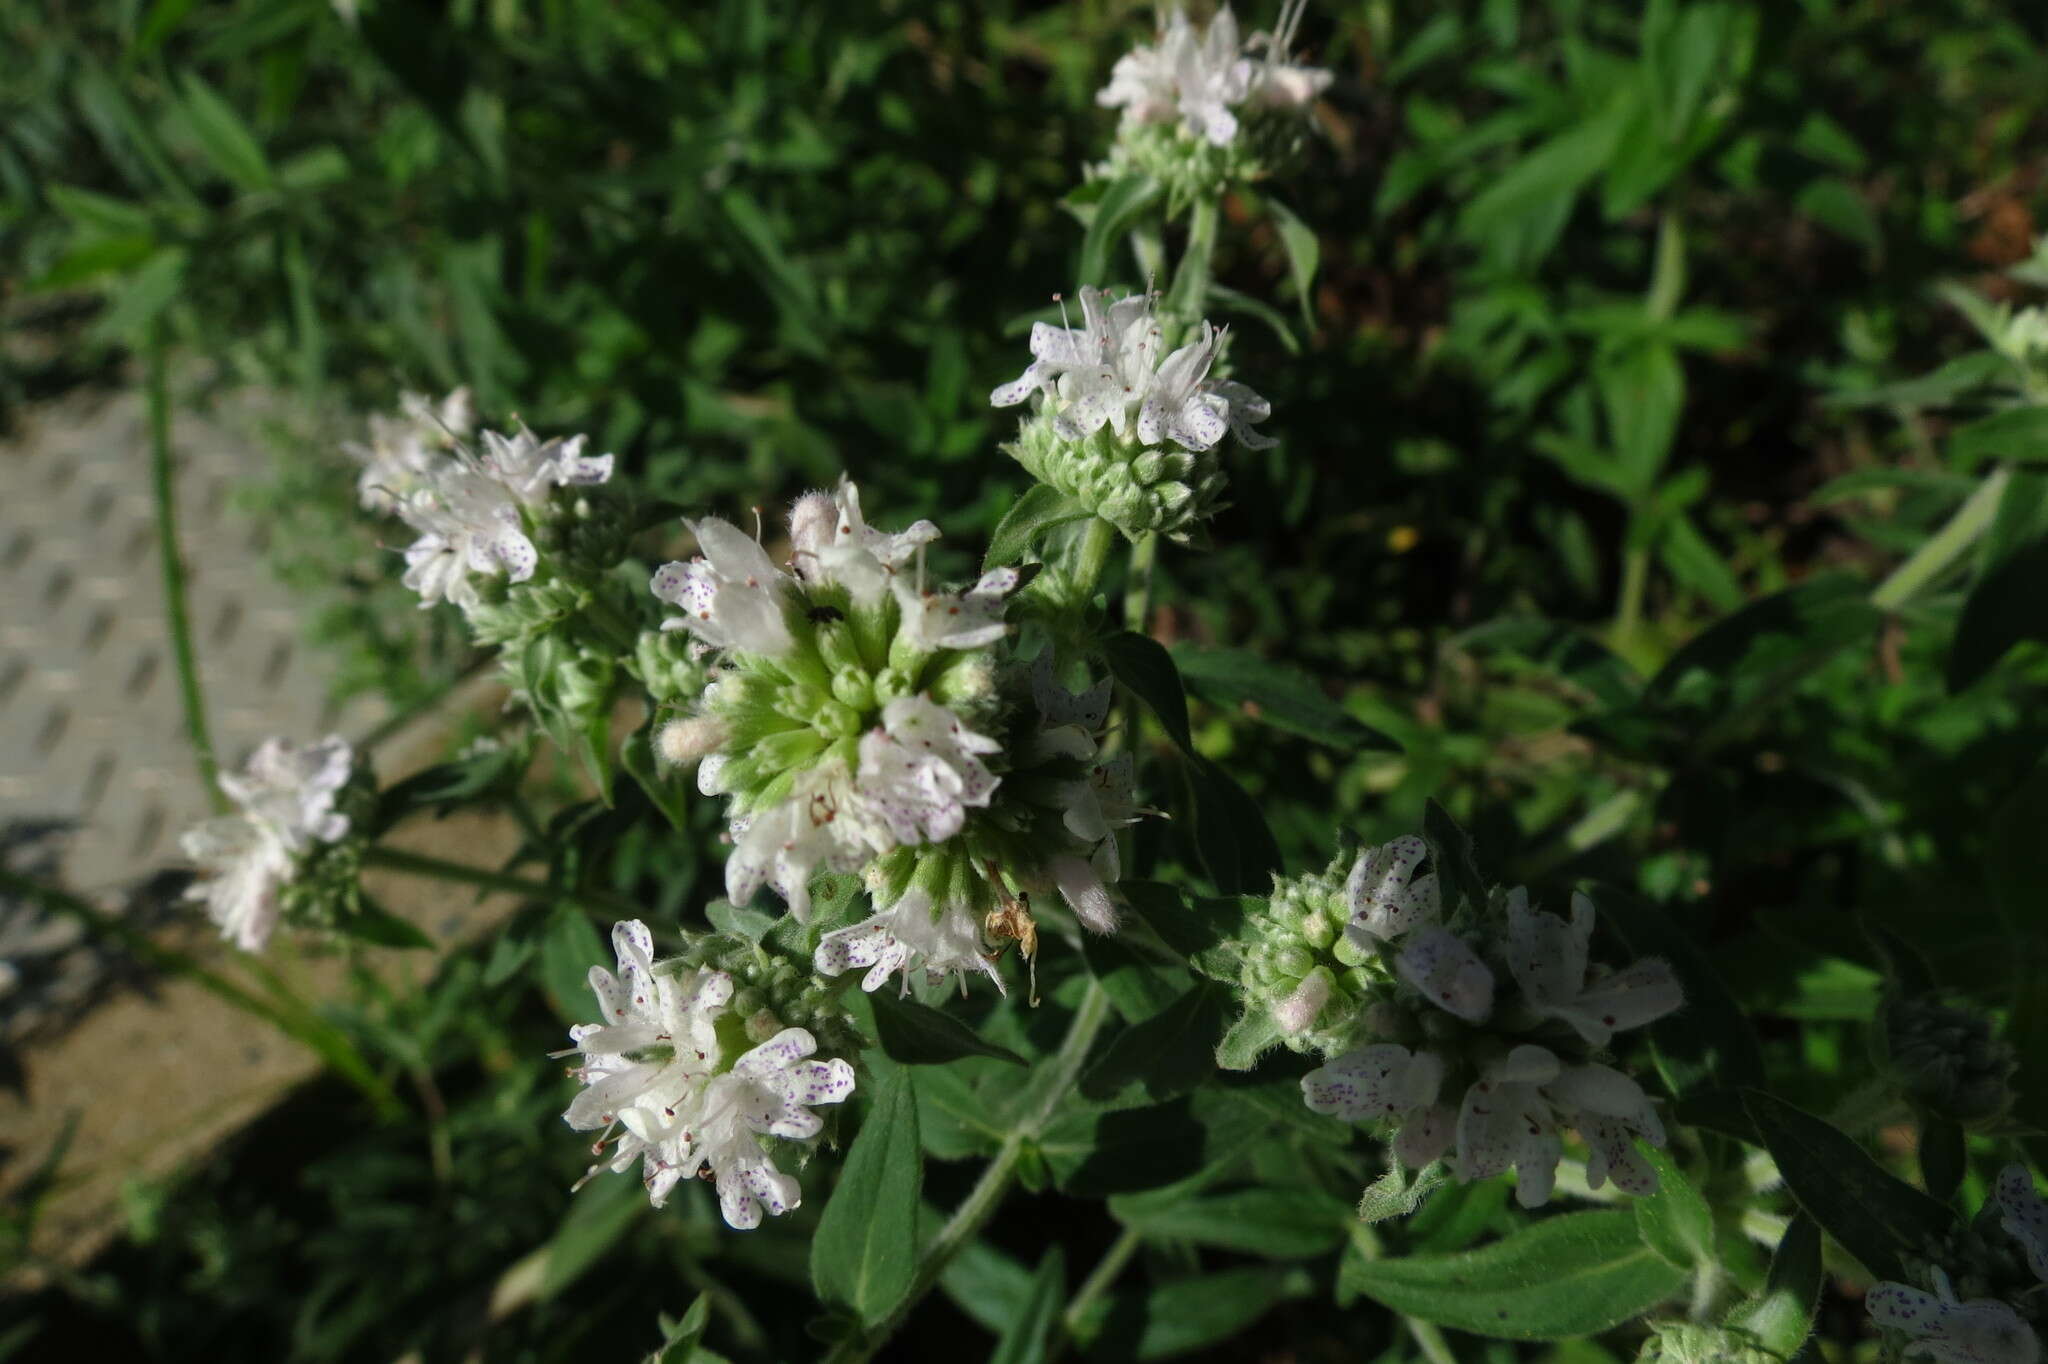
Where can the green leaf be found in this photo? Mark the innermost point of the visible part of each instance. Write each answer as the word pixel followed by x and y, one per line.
pixel 100 256
pixel 1166 1055
pixel 1642 390
pixel 1139 982
pixel 665 790
pixel 918 1035
pixel 1675 1221
pixel 2006 605
pixel 223 136
pixel 568 950
pixel 1185 1315
pixel 1709 1042
pixel 1944 1156
pixel 1273 694
pixel 1029 517
pixel 1093 1153
pixel 1573 1275
pixel 2016 433
pixel 1304 252
pixel 1144 667
pixel 1697 565
pixel 1236 846
pixel 1113 214
pixel 1837 205
pixel 1029 1335
pixel 1253 1035
pixel 1534 188
pixel 1781 638
pixel 162 20
pixel 597 1218
pixel 141 298
pixel 1281 1223
pixel 1874 1216
pixel 1781 1317
pixel 99 212
pixel 679 1340
pixel 864 1253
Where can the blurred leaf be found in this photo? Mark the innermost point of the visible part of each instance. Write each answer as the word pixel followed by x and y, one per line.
pixel 372 923
pixel 163 19
pixel 1184 1315
pixel 1246 684
pixel 1304 252
pixel 2019 433
pixel 864 1253
pixel 1110 218
pixel 1144 667
pixel 1570 1275
pixel 1838 206
pixel 1944 1156
pixel 918 1035
pixel 598 1217
pixel 223 136
pixel 101 255
pixel 1231 835
pixel 1280 1223
pixel 570 947
pixel 1874 1216
pixel 141 298
pixel 1165 1055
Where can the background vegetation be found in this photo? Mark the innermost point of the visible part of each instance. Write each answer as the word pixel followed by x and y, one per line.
pixel 1598 433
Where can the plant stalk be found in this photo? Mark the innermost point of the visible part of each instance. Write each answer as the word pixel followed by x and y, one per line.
pixel 177 617
pixel 988 1191
pixel 1099 1280
pixel 1098 538
pixel 1428 1338
pixel 419 864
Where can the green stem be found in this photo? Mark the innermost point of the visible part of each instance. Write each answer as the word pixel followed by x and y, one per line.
pixel 988 1191
pixel 1428 1338
pixel 1098 537
pixel 1635 580
pixel 283 1012
pixel 177 619
pixel 1099 1281
pixel 1945 546
pixel 419 864
pixel 1138 586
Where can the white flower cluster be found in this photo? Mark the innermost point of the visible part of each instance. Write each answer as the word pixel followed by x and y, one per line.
pixel 285 799
pixel 1983 1330
pixel 470 511
pixel 1109 372
pixel 1522 1093
pixel 1204 80
pixel 656 1068
pixel 402 450
pixel 912 777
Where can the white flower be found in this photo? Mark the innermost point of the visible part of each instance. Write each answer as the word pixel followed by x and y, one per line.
pixel 919 771
pixel 1198 78
pixel 832 542
pixel 1548 958
pixel 1983 1331
pixel 1201 80
pixel 1080 884
pixel 286 799
pixel 731 594
pixel 1387 1081
pixel 403 449
pixel 1448 972
pixel 968 620
pixel 825 822
pixel 653 1068
pixel 467 523
pixel 2024 1216
pixel 1506 1121
pixel 1385 897
pixel 1610 1111
pixel 531 469
pixel 1110 373
pixel 944 941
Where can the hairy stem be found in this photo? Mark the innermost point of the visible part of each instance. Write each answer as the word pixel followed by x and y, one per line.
pixel 177 618
pixel 988 1191
pixel 1098 538
pixel 1191 277
pixel 1945 546
pixel 419 864
pixel 1099 1281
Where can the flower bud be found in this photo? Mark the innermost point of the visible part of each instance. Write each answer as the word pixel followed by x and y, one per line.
pixel 681 742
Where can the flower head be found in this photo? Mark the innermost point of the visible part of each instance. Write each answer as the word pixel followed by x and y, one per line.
pixel 1982 1331
pixel 659 1068
pixel 1203 80
pixel 402 450
pixel 285 798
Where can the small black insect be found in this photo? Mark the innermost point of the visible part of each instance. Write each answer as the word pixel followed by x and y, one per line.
pixel 825 615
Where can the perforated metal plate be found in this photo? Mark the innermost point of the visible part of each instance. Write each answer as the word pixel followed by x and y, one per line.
pixel 91 728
